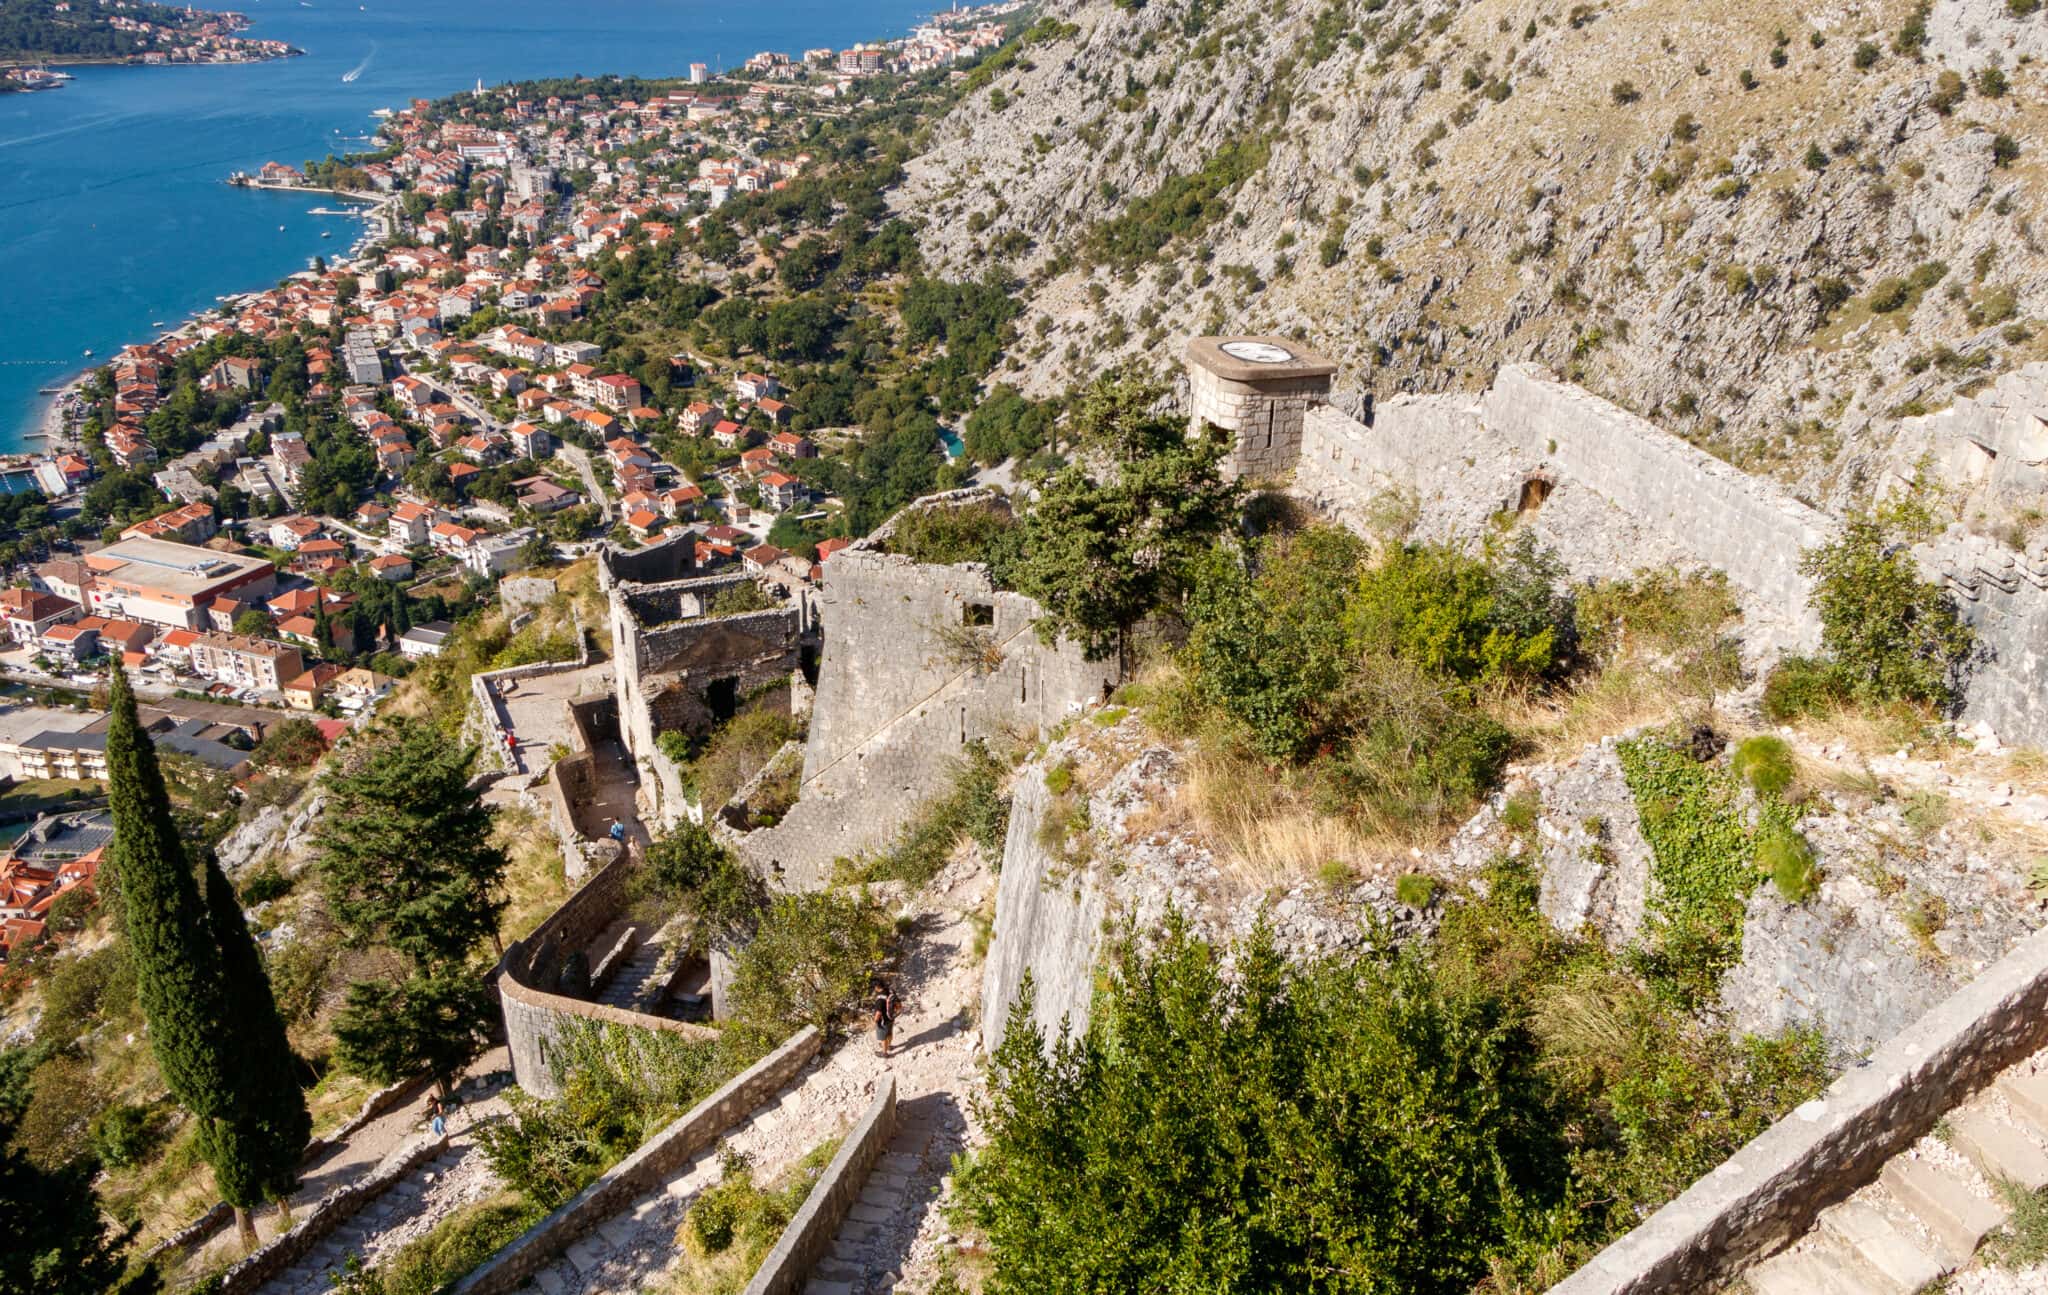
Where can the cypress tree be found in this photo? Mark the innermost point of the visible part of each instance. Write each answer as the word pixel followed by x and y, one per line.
pixel 177 965
pixel 272 1124
pixel 207 1017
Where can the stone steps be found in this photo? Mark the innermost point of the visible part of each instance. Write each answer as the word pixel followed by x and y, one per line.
pixel 1927 1215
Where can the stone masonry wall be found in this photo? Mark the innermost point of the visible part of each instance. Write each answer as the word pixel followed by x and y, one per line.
pixel 643 1171
pixel 328 1213
pixel 525 978
pixel 666 654
pixel 1048 925
pixel 894 710
pixel 811 1233
pixel 1992 447
pixel 1770 1192
pixel 1267 419
pixel 1741 524
pixel 1609 492
pixel 2003 594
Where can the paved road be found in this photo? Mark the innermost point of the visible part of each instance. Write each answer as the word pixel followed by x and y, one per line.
pixel 581 459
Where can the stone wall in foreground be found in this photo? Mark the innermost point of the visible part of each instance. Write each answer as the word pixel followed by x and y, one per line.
pixel 643 1171
pixel 1770 1192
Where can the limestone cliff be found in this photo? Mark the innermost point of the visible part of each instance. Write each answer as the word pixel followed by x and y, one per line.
pixel 1768 226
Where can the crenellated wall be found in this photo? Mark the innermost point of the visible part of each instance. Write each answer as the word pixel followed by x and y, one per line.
pixel 2003 594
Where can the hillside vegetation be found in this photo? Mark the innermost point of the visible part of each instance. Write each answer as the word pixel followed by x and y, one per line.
pixel 1770 228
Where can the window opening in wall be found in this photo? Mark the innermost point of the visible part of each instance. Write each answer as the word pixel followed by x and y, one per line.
pixel 1023 684
pixel 723 698
pixel 1534 491
pixel 978 613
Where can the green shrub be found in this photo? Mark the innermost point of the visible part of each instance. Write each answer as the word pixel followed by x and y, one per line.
pixel 808 964
pixel 1415 889
pixel 1765 763
pixel 1060 778
pixel 1784 856
pixel 1523 1097
pixel 457 1244
pixel 944 536
pixel 1801 686
pixel 264 884
pixel 1500 622
pixel 1891 635
pixel 689 870
pixel 125 1135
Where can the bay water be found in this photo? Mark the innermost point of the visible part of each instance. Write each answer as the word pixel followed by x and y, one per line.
pixel 115 220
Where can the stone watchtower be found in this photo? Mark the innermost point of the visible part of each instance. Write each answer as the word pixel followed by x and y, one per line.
pixel 1259 389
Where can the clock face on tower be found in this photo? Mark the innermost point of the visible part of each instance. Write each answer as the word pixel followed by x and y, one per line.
pixel 1257 352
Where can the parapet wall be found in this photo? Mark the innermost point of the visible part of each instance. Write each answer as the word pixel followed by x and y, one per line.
pixel 2003 594
pixel 1609 492
pixel 1770 1192
pixel 898 699
pixel 643 1171
pixel 1744 525
pixel 811 1233
pixel 525 978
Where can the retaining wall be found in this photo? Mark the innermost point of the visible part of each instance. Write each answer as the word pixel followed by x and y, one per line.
pixel 1048 925
pixel 1770 1192
pixel 643 1171
pixel 816 1225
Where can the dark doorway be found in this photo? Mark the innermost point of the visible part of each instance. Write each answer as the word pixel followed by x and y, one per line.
pixel 723 699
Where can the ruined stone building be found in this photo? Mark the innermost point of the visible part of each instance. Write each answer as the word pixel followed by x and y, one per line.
pixel 680 666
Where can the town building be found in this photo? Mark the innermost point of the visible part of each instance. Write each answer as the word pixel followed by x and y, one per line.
pixel 170 584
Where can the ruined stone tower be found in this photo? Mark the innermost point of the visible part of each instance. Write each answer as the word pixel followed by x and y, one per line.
pixel 1260 390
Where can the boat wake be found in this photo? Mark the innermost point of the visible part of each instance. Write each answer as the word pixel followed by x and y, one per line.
pixel 359 68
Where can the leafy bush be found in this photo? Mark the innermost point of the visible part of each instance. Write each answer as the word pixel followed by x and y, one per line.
pixel 735 752
pixel 1765 763
pixel 264 884
pixel 1800 686
pixel 1415 889
pixel 690 870
pixel 1182 205
pixel 809 963
pixel 1891 635
pixel 455 1246
pixel 124 1135
pixel 1487 1110
pixel 737 600
pixel 618 1086
pixel 1503 621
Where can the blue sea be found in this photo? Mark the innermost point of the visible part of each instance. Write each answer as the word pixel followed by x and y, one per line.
pixel 113 211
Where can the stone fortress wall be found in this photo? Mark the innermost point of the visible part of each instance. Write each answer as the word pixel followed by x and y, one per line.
pixel 895 706
pixel 1612 493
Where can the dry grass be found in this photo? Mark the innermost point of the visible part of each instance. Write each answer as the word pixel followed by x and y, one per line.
pixel 534 884
pixel 1264 835
pixel 1620 698
pixel 1869 731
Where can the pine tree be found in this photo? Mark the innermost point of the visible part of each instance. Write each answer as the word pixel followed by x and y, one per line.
pixel 57 1243
pixel 405 857
pixel 272 1125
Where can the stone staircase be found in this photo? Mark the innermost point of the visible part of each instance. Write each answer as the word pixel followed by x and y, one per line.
pixel 366 1232
pixel 626 985
pixel 1932 1204
pixel 868 1253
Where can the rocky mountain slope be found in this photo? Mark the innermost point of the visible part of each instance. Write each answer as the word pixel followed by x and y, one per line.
pixel 1772 227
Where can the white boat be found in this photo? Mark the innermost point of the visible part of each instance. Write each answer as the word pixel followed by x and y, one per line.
pixel 88 352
